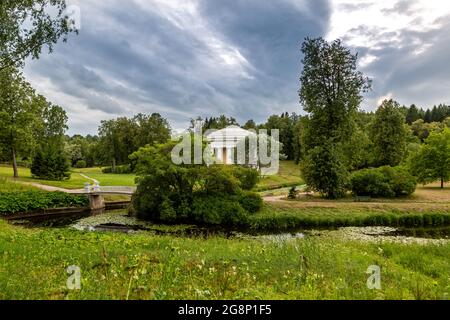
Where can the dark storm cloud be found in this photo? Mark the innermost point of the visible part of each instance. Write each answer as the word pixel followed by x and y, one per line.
pixel 244 59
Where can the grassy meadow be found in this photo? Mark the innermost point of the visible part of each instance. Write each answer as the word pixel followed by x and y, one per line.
pixel 288 176
pixel 33 265
pixel 33 262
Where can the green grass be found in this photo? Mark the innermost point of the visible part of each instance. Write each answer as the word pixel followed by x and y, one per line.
pixel 108 179
pixel 282 217
pixel 33 265
pixel 288 176
pixel 11 186
pixel 75 182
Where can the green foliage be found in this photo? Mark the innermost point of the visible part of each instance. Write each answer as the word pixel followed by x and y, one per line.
pixel 27 201
pixel 293 193
pixel 274 218
pixel 81 164
pixel 383 182
pixel 124 169
pixel 432 162
pixel 50 164
pixel 251 201
pixel 28 26
pixel 331 93
pixel 388 134
pixel 120 137
pixel 214 123
pixel 247 177
pixel 217 210
pixel 288 126
pixel 190 193
pixel 324 170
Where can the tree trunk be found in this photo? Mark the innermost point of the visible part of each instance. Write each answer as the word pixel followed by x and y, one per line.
pixel 442 183
pixel 16 171
pixel 113 168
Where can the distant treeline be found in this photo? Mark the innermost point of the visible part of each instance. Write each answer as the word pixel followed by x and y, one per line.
pixel 436 114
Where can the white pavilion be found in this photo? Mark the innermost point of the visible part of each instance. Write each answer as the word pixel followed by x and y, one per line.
pixel 223 142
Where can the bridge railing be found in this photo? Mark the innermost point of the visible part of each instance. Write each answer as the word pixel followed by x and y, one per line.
pixel 108 189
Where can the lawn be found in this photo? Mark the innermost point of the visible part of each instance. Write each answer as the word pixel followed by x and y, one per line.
pixel 108 179
pixel 33 265
pixel 288 176
pixel 11 186
pixel 76 181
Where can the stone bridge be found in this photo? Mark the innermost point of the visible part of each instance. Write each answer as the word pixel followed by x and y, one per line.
pixel 96 193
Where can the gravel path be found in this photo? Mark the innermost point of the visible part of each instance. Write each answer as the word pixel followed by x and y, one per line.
pixel 50 188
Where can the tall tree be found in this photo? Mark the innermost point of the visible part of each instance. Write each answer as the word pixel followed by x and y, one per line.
pixel 331 92
pixel 20 115
pixel 50 162
pixel 151 130
pixel 250 125
pixel 121 137
pixel 388 134
pixel 412 114
pixel 432 162
pixel 27 26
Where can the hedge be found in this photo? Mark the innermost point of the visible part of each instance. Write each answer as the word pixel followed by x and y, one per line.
pixel 14 202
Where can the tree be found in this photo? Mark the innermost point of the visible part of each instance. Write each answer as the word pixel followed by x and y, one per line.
pixel 388 134
pixel 324 169
pixel 215 123
pixel 150 130
pixel 285 124
pixel 120 137
pixel 110 142
pixel 20 115
pixel 27 26
pixel 432 162
pixel 50 161
pixel 250 125
pixel 331 92
pixel 191 193
pixel 412 114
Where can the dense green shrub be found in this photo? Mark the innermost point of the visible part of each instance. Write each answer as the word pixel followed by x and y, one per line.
pixel 371 182
pixel 191 193
pixel 50 164
pixel 80 164
pixel 13 202
pixel 251 201
pixel 216 210
pixel 248 177
pixel 383 182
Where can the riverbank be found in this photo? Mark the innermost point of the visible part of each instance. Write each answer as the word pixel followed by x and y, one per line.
pixel 33 265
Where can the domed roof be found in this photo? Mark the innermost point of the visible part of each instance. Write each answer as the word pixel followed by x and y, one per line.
pixel 229 133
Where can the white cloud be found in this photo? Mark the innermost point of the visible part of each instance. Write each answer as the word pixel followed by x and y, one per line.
pixel 386 16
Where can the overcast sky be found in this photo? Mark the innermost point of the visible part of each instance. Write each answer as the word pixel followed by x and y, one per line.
pixel 189 58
